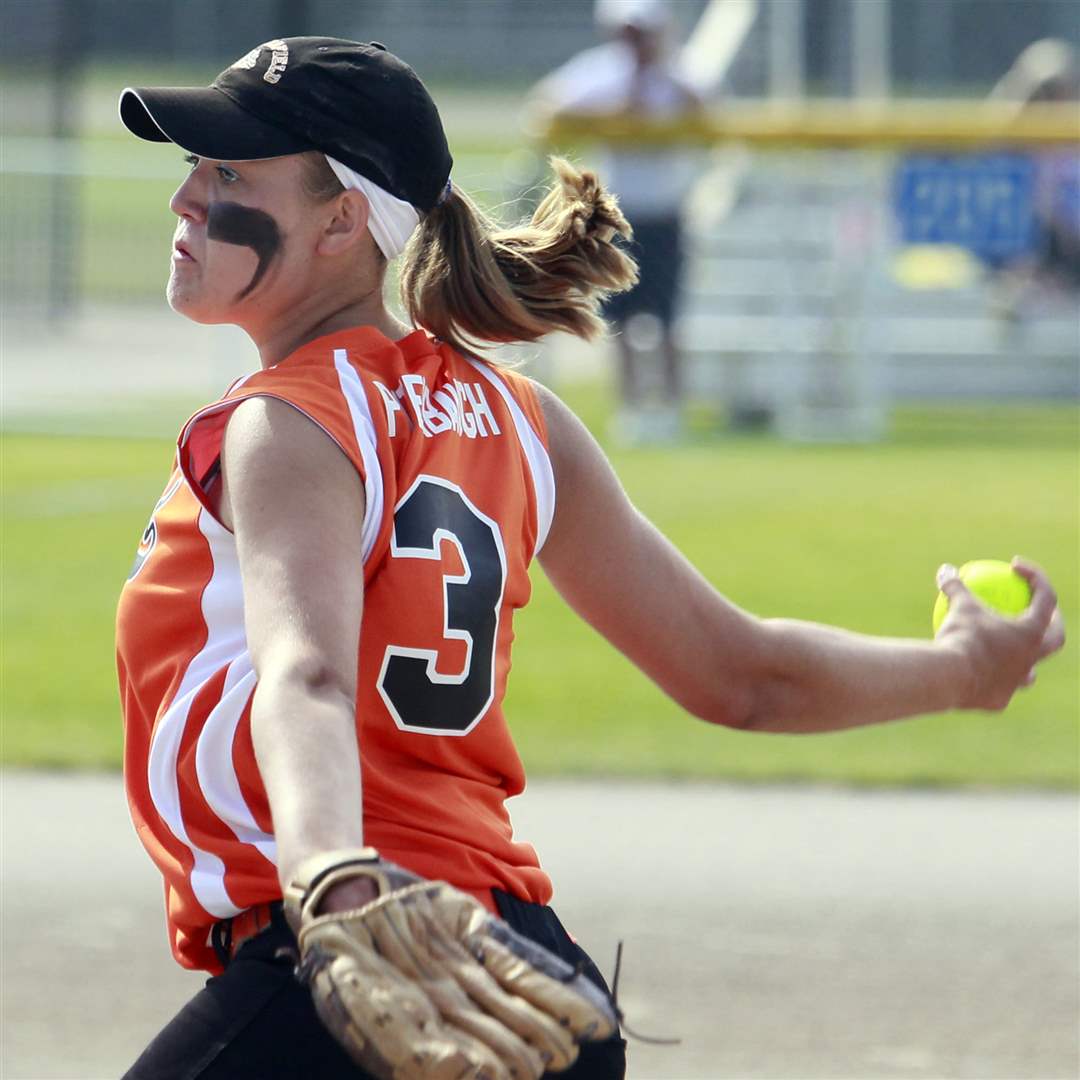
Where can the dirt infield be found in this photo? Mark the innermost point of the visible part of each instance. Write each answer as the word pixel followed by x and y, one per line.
pixel 779 932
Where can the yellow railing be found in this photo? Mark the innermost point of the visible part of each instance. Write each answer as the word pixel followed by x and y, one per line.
pixel 823 123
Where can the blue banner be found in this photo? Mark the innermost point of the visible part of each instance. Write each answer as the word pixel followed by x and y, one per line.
pixel 984 203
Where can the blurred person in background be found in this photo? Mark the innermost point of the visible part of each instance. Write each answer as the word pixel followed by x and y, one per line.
pixel 1046 72
pixel 636 73
pixel 314 640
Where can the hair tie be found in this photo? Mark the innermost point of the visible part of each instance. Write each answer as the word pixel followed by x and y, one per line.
pixel 445 193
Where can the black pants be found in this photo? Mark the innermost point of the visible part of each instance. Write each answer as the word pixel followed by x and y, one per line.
pixel 256 1022
pixel 657 248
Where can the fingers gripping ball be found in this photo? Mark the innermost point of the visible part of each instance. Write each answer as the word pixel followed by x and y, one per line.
pixel 424 982
pixel 993 582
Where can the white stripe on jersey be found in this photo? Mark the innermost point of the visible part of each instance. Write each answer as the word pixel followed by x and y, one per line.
pixel 239 382
pixel 537 456
pixel 214 756
pixel 222 614
pixel 352 388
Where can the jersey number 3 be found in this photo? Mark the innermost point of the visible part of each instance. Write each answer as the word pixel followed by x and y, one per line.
pixel 418 696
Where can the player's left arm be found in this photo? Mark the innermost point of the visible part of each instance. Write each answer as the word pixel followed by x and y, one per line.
pixel 296 505
pixel 728 666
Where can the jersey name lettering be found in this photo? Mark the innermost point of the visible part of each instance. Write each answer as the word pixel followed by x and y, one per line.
pixel 456 407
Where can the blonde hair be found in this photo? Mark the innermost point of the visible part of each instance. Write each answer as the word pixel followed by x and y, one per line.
pixel 472 283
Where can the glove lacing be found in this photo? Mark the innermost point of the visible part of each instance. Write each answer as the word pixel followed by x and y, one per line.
pixel 651 1039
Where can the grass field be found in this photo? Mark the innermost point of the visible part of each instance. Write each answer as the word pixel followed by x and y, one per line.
pixel 850 535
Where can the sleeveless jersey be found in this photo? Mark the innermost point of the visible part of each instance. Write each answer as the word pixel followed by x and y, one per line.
pixel 452 455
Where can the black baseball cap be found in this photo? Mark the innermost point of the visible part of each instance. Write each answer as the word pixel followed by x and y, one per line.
pixel 356 102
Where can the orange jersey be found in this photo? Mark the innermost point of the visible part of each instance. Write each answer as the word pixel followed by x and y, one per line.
pixel 460 493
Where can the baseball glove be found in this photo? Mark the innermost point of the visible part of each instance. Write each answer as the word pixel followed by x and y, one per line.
pixel 424 982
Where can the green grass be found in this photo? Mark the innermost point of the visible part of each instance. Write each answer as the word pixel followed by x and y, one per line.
pixel 841 534
pixel 72 508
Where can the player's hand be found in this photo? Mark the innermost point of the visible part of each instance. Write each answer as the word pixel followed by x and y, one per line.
pixel 348 896
pixel 999 653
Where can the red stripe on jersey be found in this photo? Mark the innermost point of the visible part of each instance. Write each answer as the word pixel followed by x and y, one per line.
pixel 202 824
pixel 247 773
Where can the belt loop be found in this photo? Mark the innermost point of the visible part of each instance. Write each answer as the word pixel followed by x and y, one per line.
pixel 221 940
pixel 277 917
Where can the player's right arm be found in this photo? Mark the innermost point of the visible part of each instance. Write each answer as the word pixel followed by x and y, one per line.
pixel 727 666
pixel 296 507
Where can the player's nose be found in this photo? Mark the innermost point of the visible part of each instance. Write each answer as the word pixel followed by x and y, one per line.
pixel 189 199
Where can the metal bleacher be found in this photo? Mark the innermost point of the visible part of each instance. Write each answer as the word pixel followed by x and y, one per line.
pixel 791 307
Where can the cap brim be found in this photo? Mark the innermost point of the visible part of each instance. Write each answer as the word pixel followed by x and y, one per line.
pixel 204 121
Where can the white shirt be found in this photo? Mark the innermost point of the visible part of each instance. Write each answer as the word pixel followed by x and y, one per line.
pixel 606 80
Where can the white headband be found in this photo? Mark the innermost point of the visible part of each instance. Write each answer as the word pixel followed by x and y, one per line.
pixel 391 220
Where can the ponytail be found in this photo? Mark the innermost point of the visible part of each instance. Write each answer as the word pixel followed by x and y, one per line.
pixel 471 283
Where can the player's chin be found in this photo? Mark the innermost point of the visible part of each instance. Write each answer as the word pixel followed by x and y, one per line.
pixel 188 302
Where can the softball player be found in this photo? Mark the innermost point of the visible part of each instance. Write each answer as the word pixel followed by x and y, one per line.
pixel 326 590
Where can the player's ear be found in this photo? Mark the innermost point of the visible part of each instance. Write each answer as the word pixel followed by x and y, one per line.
pixel 345 223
